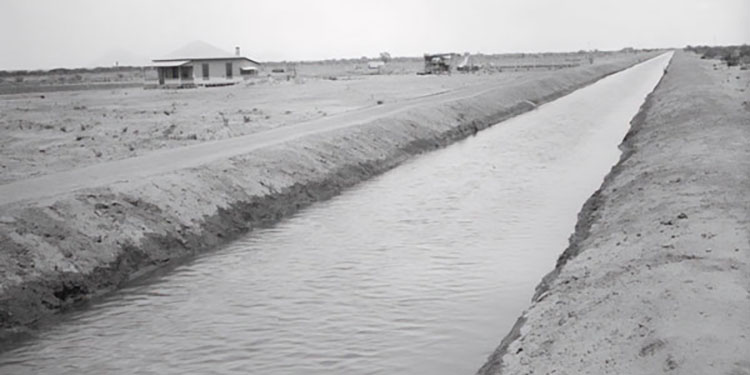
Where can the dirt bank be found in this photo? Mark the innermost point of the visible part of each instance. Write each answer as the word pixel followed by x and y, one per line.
pixel 656 278
pixel 62 244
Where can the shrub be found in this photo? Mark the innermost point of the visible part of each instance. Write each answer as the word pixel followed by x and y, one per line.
pixel 731 55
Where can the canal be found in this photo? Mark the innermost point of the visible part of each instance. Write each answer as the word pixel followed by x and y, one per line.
pixel 421 270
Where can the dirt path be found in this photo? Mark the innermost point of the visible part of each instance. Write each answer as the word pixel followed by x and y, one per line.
pixel 657 275
pixel 164 161
pixel 52 132
pixel 168 160
pixel 55 132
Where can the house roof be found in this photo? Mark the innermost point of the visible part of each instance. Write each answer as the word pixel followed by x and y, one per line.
pixel 199 50
pixel 196 50
pixel 203 59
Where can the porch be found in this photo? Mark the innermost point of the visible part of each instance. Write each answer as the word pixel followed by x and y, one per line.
pixel 175 73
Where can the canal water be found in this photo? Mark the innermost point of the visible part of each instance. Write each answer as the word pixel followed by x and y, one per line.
pixel 421 270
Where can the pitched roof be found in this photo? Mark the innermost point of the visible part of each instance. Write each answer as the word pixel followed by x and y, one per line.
pixel 196 50
pixel 199 50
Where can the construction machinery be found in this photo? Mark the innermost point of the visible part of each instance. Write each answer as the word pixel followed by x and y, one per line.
pixel 467 65
pixel 439 63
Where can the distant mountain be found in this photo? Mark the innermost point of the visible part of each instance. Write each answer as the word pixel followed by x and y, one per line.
pixel 120 57
pixel 195 50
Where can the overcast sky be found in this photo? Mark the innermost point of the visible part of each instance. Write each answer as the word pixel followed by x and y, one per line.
pixel 70 33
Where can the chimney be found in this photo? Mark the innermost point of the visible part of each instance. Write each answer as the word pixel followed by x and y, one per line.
pixel 237 51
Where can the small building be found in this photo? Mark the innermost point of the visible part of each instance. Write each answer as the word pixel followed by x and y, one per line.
pixel 375 65
pixel 200 64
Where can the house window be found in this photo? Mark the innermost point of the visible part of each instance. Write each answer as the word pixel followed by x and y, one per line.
pixel 229 70
pixel 205 71
pixel 186 72
pixel 173 72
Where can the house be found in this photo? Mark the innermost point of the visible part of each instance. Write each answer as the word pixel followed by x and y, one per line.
pixel 201 64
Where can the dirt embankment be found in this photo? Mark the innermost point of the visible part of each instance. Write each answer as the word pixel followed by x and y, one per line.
pixel 63 249
pixel 656 278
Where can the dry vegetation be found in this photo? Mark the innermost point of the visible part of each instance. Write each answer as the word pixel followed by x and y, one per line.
pixel 55 130
pixel 490 63
pixel 23 81
pixel 26 81
pixel 731 55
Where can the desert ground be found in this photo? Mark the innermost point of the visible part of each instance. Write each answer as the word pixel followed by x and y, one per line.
pixel 45 132
pixel 656 278
pixel 62 79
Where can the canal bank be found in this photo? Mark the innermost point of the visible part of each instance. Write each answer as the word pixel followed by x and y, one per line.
pixel 61 247
pixel 656 276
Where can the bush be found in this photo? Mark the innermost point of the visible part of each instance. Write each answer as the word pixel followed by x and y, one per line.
pixel 732 55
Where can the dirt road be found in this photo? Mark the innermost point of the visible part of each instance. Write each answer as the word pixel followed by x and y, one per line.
pixel 164 161
pixel 657 275
pixel 52 132
pixel 91 172
pixel 55 132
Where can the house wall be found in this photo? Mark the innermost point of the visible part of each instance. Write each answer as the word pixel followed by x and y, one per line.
pixel 217 71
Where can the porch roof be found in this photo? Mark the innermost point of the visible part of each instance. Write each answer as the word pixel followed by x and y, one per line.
pixel 168 64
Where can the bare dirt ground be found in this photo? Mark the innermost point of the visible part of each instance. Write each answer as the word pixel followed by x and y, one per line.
pixel 56 131
pixel 657 275
pixel 68 236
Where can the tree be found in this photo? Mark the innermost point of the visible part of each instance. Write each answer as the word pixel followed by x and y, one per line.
pixel 385 57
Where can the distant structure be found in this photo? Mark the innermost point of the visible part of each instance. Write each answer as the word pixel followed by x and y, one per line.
pixel 376 65
pixel 467 65
pixel 201 64
pixel 438 63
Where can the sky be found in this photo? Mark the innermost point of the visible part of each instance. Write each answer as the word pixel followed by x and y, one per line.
pixel 45 34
